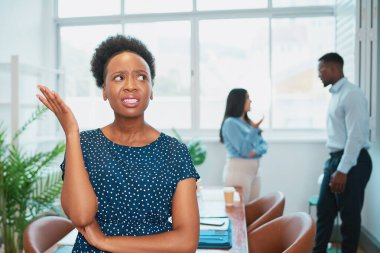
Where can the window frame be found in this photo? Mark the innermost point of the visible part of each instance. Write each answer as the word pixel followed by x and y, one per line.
pixel 194 17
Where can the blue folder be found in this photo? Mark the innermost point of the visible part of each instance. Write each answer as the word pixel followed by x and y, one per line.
pixel 215 239
pixel 64 249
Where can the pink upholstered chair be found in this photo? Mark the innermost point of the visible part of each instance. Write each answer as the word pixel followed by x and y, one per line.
pixel 44 232
pixel 293 233
pixel 264 209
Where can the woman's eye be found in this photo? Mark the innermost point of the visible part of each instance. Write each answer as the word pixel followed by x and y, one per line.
pixel 141 77
pixel 118 78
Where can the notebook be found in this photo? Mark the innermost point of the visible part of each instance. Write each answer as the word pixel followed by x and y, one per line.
pixel 217 236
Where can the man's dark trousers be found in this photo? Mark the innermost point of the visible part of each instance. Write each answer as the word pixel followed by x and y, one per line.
pixel 349 203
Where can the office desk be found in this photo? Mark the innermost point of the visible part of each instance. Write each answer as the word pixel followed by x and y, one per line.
pixel 235 212
pixel 237 215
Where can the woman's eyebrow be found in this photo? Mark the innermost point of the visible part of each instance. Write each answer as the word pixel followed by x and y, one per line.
pixel 127 71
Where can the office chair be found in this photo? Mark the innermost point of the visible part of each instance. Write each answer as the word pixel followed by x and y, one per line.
pixel 42 233
pixel 264 209
pixel 293 233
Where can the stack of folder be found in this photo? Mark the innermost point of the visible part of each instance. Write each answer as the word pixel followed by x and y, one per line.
pixel 216 233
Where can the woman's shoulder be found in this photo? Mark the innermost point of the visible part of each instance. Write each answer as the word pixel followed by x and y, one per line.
pixel 232 122
pixel 172 142
pixel 89 133
pixel 91 137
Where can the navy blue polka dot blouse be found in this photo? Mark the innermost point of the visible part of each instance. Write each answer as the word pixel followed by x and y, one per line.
pixel 134 185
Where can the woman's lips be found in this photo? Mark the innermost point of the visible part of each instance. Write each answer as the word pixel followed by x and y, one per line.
pixel 130 102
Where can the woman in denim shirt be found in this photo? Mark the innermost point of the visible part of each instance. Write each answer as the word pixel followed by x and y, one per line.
pixel 244 144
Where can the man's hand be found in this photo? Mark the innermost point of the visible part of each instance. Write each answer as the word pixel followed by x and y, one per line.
pixel 338 182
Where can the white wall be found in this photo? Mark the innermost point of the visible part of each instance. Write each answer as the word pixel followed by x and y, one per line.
pixel 370 215
pixel 290 167
pixel 26 30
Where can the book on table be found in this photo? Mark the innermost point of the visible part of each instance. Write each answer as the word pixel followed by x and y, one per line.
pixel 215 232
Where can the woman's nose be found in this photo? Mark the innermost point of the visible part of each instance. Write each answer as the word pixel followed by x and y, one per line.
pixel 129 84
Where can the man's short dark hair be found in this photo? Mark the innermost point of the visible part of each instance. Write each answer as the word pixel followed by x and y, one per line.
pixel 114 45
pixel 334 58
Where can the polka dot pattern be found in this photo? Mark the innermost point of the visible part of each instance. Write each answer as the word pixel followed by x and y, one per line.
pixel 134 185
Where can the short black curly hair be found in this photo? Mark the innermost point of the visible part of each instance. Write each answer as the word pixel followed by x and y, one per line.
pixel 114 45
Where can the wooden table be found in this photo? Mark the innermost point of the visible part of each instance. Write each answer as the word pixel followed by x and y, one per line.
pixel 237 216
pixel 236 213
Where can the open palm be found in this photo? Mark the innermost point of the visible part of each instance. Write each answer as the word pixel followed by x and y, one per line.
pixel 63 113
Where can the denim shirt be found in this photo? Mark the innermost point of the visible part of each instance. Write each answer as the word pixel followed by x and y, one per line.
pixel 241 139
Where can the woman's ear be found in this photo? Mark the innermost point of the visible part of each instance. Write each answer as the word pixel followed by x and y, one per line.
pixel 104 93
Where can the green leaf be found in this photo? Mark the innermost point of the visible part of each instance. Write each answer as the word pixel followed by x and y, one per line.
pixel 25 190
pixel 196 149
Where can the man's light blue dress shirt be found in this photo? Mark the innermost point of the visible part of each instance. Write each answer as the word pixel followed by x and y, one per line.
pixel 240 139
pixel 347 123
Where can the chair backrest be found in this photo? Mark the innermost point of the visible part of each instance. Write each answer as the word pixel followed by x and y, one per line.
pixel 42 233
pixel 293 233
pixel 264 209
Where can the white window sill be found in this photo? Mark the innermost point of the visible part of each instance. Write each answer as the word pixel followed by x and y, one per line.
pixel 272 136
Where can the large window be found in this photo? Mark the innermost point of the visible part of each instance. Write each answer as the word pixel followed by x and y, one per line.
pixel 233 53
pixel 170 44
pixel 202 52
pixel 298 99
pixel 152 6
pixel 86 8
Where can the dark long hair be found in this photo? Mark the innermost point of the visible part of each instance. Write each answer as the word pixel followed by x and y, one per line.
pixel 234 107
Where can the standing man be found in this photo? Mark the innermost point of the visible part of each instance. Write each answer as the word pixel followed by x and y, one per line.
pixel 349 167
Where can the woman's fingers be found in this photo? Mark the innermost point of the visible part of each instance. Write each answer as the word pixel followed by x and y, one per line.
pixel 45 97
pixel 56 103
pixel 49 95
pixel 63 113
pixel 60 103
pixel 44 101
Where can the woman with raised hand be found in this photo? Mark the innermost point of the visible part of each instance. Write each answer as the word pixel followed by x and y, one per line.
pixel 127 187
pixel 244 144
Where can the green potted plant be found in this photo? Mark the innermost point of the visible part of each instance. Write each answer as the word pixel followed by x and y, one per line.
pixel 196 149
pixel 24 191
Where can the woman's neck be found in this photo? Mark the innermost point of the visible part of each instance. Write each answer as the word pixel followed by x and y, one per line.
pixel 130 132
pixel 129 126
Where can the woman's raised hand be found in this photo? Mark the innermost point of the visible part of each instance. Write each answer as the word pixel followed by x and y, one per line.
pixel 63 113
pixel 257 124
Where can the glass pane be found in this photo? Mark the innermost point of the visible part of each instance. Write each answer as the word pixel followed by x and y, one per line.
pixel 152 6
pixel 294 3
pixel 86 8
pixel 6 119
pixel 299 99
pixel 78 44
pixel 27 83
pixel 5 80
pixel 171 104
pixel 229 5
pixel 233 54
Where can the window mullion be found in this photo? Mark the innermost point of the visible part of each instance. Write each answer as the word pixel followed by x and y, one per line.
pixel 195 83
